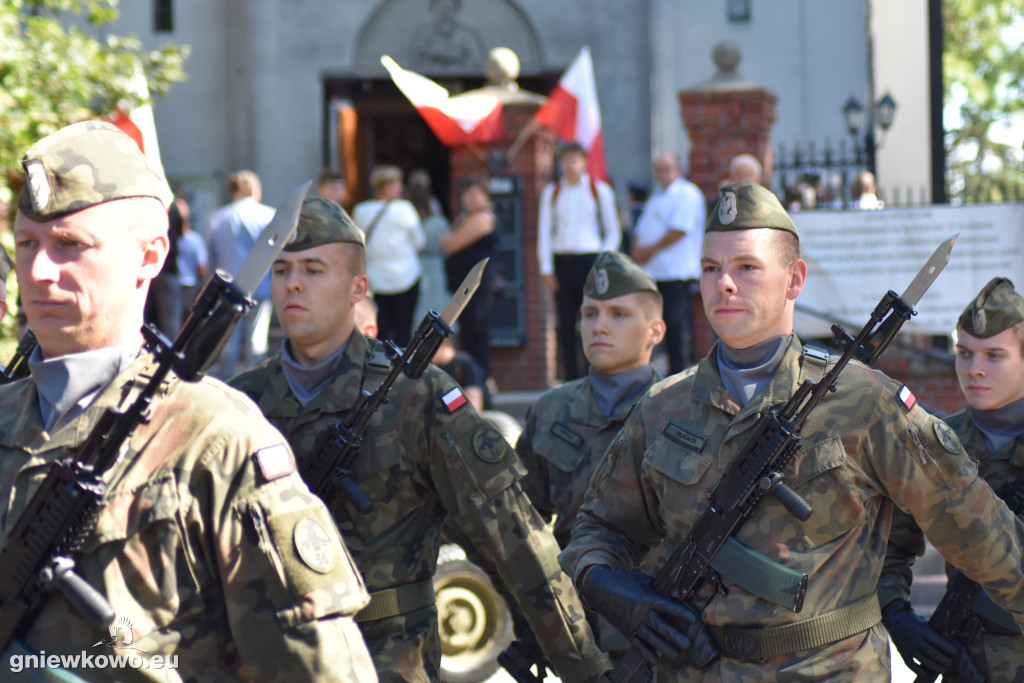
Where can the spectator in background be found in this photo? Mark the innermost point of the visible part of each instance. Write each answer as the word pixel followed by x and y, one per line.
pixel 192 258
pixel 433 288
pixel 461 367
pixel 163 303
pixel 420 178
pixel 366 316
pixel 667 245
pixel 394 238
pixel 862 192
pixel 577 219
pixel 745 167
pixel 471 239
pixel 231 234
pixel 332 185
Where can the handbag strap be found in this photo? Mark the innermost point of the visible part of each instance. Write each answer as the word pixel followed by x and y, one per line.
pixel 375 220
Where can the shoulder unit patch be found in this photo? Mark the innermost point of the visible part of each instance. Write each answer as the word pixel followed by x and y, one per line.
pixel 488 444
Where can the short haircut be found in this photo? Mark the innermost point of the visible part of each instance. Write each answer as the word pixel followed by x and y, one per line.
pixel 244 184
pixel 384 174
pixel 476 181
pixel 329 174
pixel 572 146
pixel 786 245
pixel 355 257
pixel 651 304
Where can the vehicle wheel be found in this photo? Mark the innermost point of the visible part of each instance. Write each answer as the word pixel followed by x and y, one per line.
pixel 474 621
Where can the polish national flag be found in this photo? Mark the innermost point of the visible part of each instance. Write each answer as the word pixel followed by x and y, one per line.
pixel 137 122
pixel 459 120
pixel 572 112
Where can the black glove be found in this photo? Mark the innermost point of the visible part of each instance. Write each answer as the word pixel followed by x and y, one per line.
pixel 659 627
pixel 522 655
pixel 923 648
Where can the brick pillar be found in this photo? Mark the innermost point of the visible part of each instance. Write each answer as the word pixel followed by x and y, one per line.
pixel 722 124
pixel 531 366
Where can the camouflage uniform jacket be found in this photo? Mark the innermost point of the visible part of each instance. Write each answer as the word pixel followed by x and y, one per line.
pixel 210 545
pixel 862 449
pixel 565 435
pixel 1000 655
pixel 421 462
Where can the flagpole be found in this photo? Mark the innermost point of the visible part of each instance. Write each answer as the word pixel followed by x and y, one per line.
pixel 517 145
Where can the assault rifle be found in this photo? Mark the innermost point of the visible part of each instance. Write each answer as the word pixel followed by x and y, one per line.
pixel 329 470
pixel 758 467
pixel 520 658
pixel 18 367
pixel 955 618
pixel 39 555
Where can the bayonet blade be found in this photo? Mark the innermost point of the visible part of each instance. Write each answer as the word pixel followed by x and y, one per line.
pixel 271 241
pixel 464 293
pixel 929 271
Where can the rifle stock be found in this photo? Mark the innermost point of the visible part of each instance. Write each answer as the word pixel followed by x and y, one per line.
pixel 18 367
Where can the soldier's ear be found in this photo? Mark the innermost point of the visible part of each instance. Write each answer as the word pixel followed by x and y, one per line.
pixel 797 278
pixel 657 331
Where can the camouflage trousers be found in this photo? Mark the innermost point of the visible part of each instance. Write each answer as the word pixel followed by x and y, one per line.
pixel 406 647
pixel 1002 657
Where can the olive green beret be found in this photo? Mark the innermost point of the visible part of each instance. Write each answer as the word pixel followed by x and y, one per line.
pixel 83 165
pixel 615 274
pixel 323 221
pixel 745 205
pixel 996 309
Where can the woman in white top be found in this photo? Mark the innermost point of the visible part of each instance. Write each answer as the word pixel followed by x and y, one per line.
pixel 394 238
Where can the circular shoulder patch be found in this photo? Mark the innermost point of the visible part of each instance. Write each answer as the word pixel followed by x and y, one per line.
pixel 488 444
pixel 313 544
pixel 947 437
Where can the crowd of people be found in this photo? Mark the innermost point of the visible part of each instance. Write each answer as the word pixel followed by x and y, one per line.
pixel 222 557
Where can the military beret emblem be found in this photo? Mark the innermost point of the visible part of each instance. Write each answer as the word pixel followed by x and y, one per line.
pixel 38 184
pixel 979 320
pixel 488 444
pixel 601 280
pixel 313 545
pixel 727 208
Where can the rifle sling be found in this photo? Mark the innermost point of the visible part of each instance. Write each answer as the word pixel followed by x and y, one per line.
pixel 390 602
pixel 760 575
pixel 751 643
pixel 994 619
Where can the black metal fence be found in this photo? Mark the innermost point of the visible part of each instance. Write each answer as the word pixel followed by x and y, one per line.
pixel 822 177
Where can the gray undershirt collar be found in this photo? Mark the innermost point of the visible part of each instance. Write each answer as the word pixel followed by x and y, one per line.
pixel 1000 426
pixel 615 391
pixel 746 372
pixel 67 384
pixel 307 382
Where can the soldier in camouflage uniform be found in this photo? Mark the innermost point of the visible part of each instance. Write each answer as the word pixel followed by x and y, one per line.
pixel 426 455
pixel 210 549
pixel 866 448
pixel 990 367
pixel 570 427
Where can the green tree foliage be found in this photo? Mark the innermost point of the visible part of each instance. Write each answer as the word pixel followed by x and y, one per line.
pixel 983 68
pixel 59 65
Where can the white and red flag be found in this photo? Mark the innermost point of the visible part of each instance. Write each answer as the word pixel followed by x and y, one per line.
pixel 459 120
pixel 137 122
pixel 573 114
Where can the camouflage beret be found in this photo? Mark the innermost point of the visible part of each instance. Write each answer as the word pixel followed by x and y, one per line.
pixel 323 221
pixel 745 205
pixel 615 274
pixel 83 165
pixel 996 309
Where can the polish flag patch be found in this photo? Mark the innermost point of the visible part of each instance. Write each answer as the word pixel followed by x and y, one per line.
pixel 906 397
pixel 454 400
pixel 275 462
